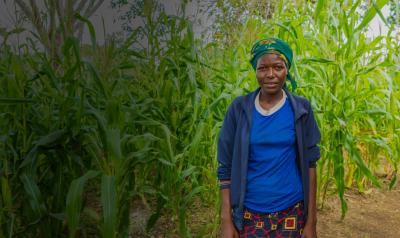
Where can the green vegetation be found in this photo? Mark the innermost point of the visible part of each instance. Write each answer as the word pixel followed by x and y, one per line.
pixel 86 131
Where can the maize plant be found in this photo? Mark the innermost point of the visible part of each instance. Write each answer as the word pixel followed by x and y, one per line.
pixel 86 133
pixel 350 79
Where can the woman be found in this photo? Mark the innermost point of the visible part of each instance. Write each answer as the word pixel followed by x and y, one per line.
pixel 267 153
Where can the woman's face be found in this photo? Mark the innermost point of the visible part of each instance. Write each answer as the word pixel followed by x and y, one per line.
pixel 271 73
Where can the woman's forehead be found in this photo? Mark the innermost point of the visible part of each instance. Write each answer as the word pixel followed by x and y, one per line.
pixel 270 58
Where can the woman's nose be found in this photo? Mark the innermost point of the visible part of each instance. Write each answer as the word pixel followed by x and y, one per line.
pixel 269 72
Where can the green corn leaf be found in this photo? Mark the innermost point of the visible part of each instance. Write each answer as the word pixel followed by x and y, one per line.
pixel 51 138
pixel 6 194
pixel 338 171
pixel 136 54
pixel 317 60
pixel 378 10
pixel 356 157
pixel 109 204
pixel 393 181
pixel 113 143
pixel 58 216
pixel 71 43
pixel 188 198
pixel 15 100
pixel 90 27
pixel 34 196
pixel 161 201
pixel 187 172
pixel 99 82
pixel 74 201
pixel 44 141
pixel 148 8
pixel 370 14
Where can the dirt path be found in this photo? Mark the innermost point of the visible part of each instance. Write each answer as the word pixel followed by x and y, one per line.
pixel 373 215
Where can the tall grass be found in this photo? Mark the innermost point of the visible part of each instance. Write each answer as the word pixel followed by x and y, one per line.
pixel 83 136
pixel 350 80
pixel 64 124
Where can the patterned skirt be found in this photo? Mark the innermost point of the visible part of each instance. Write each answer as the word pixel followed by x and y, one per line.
pixel 288 223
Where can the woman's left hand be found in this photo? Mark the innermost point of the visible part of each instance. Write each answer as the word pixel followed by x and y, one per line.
pixel 310 231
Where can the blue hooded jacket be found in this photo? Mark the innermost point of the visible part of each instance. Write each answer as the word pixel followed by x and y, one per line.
pixel 233 147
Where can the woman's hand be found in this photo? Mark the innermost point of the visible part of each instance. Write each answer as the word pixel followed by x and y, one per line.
pixel 228 229
pixel 310 230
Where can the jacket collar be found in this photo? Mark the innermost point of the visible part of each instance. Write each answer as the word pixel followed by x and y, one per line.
pixel 298 107
pixel 248 104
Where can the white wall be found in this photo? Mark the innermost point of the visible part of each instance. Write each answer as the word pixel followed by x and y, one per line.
pixel 196 11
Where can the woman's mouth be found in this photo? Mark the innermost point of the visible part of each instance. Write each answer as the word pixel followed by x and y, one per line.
pixel 270 84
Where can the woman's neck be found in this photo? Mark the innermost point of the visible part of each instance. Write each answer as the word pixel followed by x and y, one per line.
pixel 268 101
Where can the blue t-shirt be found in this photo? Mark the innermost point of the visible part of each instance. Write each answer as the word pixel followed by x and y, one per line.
pixel 273 178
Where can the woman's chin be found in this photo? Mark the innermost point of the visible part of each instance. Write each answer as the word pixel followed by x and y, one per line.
pixel 271 90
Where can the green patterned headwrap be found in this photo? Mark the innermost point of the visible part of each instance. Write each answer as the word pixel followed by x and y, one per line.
pixel 275 46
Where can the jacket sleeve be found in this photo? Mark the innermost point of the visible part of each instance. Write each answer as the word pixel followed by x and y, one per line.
pixel 225 147
pixel 312 138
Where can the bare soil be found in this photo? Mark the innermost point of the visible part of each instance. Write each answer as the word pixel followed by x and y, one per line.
pixel 374 214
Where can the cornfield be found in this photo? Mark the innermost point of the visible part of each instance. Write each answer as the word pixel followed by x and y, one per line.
pixel 86 132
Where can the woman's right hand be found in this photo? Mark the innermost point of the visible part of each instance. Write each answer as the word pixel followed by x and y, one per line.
pixel 228 229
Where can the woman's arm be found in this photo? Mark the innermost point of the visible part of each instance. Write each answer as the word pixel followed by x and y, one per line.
pixel 227 228
pixel 310 229
pixel 224 155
